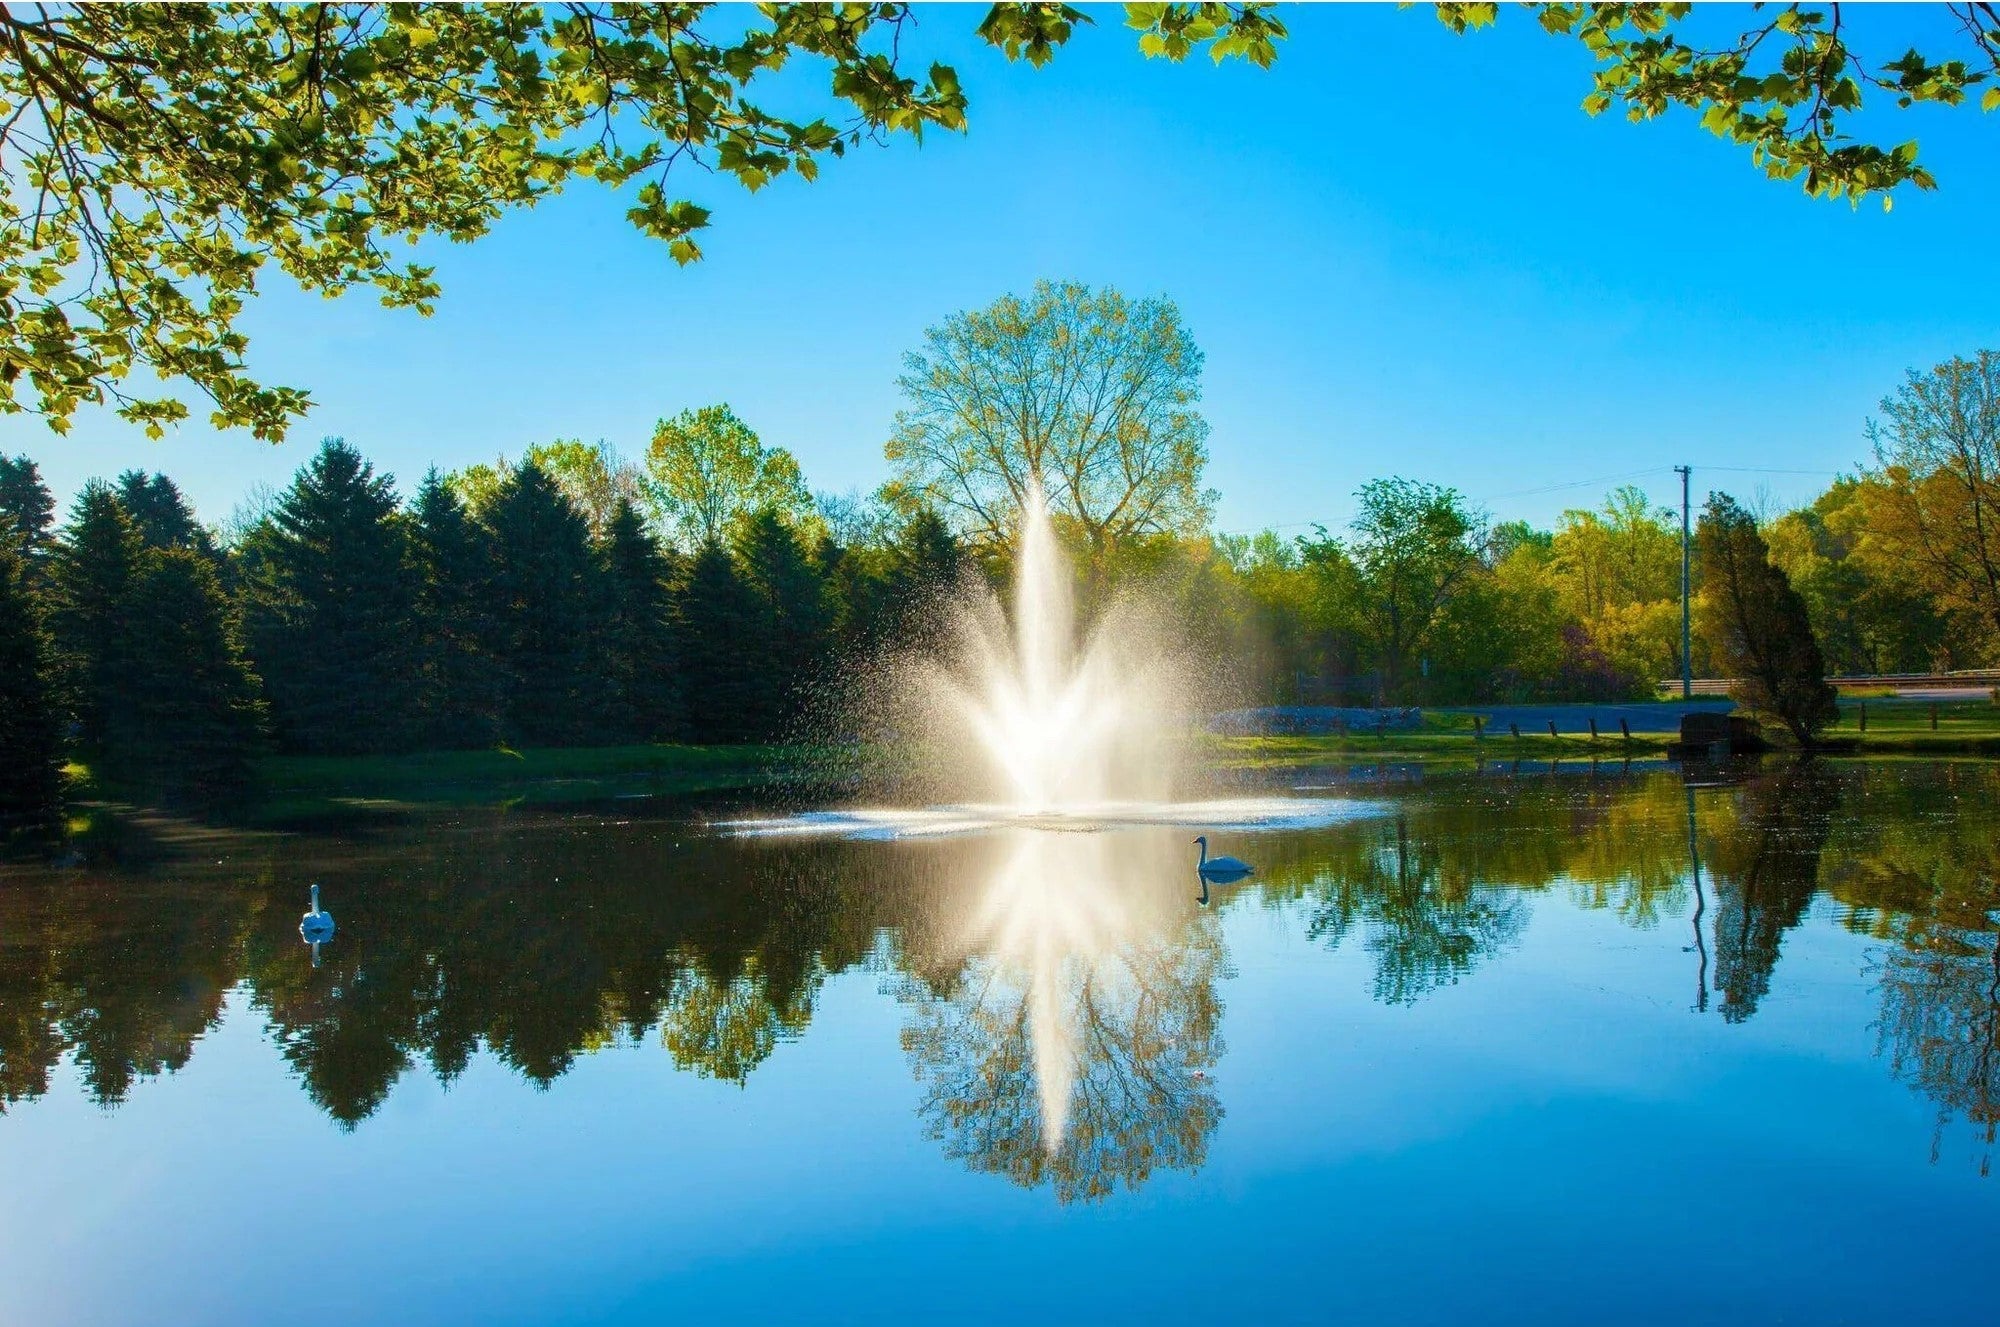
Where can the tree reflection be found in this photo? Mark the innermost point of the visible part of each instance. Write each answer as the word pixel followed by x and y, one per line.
pixel 1062 1014
pixel 1071 1043
pixel 1765 873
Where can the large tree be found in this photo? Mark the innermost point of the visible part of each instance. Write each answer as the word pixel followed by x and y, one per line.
pixel 796 612
pixel 706 470
pixel 635 640
pixel 1414 547
pixel 93 571
pixel 544 604
pixel 329 594
pixel 723 635
pixel 457 679
pixel 1936 511
pixel 1757 624
pixel 1088 394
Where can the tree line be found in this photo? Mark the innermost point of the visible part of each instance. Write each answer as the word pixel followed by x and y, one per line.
pixel 495 608
pixel 703 593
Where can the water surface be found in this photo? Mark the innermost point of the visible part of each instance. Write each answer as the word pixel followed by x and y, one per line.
pixel 1522 1046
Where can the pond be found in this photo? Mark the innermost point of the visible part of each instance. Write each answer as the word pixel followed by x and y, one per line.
pixel 1521 1045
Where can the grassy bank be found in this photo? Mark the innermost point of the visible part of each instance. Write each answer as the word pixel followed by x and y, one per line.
pixel 1894 727
pixel 552 774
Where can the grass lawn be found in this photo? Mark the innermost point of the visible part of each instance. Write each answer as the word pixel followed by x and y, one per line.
pixel 1896 725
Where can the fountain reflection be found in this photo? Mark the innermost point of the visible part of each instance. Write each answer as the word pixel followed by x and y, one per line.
pixel 1068 1037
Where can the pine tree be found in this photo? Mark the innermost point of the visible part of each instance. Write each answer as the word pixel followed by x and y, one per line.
pixel 30 731
pixel 925 564
pixel 328 595
pixel 1757 624
pixel 161 514
pixel 27 510
pixel 544 593
pixel 723 638
pixel 795 606
pixel 193 717
pixel 636 640
pixel 459 687
pixel 92 572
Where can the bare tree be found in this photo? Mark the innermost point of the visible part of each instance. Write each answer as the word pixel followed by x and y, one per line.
pixel 1089 394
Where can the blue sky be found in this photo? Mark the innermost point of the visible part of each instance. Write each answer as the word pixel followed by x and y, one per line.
pixel 1402 252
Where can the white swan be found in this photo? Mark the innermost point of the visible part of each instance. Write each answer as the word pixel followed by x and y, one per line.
pixel 1219 868
pixel 316 926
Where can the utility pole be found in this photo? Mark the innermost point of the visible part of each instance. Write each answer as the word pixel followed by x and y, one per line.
pixel 1687 636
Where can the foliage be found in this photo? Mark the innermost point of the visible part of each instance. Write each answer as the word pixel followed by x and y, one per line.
pixel 1758 625
pixel 1788 87
pixel 1088 395
pixel 594 477
pixel 166 154
pixel 706 471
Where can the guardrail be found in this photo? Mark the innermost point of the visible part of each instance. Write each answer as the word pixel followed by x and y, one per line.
pixel 1981 678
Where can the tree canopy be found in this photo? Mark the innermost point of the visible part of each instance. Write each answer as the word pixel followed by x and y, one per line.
pixel 162 156
pixel 1090 395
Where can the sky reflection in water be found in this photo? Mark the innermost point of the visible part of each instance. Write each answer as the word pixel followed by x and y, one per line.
pixel 1473 1048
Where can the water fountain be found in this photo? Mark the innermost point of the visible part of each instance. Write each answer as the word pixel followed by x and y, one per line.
pixel 1033 719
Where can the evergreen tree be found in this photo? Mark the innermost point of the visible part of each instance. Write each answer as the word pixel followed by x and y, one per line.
pixel 92 572
pixel 925 564
pixel 30 732
pixel 636 640
pixel 724 634
pixel 161 514
pixel 1757 624
pixel 796 611
pixel 27 510
pixel 459 695
pixel 543 598
pixel 329 601
pixel 193 716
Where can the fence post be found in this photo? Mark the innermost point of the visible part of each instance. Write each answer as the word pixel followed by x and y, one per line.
pixel 1478 728
pixel 1552 727
pixel 1625 727
pixel 1593 727
pixel 1864 716
pixel 1514 728
pixel 1933 716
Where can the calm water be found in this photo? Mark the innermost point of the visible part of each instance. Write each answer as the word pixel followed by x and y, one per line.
pixel 1493 1051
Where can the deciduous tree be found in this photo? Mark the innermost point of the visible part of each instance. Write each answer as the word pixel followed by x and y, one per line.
pixel 1938 507
pixel 1087 394
pixel 706 471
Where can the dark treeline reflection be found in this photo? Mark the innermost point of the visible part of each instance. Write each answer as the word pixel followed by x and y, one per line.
pixel 1061 993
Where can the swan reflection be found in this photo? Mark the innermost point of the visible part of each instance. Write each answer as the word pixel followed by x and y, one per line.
pixel 1067 1035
